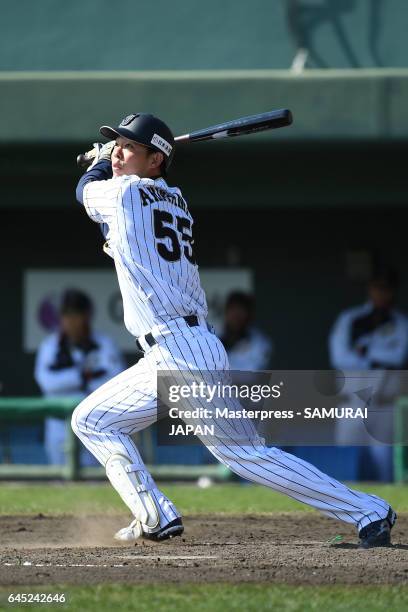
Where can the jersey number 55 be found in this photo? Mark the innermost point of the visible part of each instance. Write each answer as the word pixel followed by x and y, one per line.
pixel 178 230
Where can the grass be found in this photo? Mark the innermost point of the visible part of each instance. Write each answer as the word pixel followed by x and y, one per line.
pixel 219 597
pixel 82 498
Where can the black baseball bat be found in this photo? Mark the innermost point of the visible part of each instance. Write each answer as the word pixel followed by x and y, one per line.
pixel 238 127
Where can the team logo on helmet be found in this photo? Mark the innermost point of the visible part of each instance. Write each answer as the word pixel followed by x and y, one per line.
pixel 128 119
pixel 161 144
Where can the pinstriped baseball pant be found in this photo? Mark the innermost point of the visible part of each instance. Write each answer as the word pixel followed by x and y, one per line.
pixel 105 420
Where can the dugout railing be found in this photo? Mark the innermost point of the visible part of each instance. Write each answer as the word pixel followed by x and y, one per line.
pixel 401 440
pixel 28 410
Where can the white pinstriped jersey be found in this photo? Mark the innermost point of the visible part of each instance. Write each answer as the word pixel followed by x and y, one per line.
pixel 150 240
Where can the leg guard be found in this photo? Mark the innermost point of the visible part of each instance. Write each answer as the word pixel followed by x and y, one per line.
pixel 125 477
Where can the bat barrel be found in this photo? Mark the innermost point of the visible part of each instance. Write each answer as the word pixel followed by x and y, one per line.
pixel 238 127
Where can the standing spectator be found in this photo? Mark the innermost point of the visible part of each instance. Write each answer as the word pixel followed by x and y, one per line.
pixel 73 363
pixel 373 336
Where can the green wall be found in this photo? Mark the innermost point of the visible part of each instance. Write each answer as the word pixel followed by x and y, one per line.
pixel 326 104
pixel 197 35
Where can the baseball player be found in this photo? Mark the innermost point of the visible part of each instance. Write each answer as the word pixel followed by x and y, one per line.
pixel 149 235
pixel 73 362
pixel 372 336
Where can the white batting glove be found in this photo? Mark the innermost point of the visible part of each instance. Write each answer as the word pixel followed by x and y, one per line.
pixel 100 151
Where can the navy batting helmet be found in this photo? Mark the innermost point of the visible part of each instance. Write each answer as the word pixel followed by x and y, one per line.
pixel 147 130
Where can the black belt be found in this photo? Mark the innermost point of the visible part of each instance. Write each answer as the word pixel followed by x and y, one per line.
pixel 191 320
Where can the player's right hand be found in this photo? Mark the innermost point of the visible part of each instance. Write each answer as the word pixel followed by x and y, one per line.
pixel 100 151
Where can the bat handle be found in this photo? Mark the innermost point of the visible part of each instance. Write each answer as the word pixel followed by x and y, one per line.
pixel 84 160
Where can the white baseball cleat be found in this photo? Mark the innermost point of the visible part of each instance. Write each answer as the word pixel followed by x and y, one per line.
pixel 135 531
pixel 131 533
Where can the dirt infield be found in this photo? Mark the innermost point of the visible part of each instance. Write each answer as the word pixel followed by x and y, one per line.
pixel 283 548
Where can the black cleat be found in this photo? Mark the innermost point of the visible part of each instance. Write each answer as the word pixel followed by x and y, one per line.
pixel 378 533
pixel 171 530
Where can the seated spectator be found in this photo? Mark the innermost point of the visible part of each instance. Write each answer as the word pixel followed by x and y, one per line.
pixel 372 336
pixel 248 348
pixel 73 363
